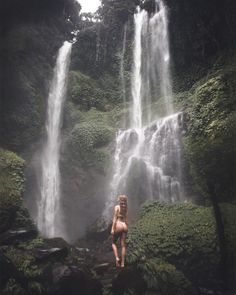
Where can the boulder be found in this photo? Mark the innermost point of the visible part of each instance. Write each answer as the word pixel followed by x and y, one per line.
pixel 52 253
pixel 74 281
pixel 129 279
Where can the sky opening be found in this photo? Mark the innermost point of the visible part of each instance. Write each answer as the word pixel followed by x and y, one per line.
pixel 89 5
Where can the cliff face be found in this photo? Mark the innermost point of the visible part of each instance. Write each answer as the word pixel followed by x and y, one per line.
pixel 31 33
pixel 200 29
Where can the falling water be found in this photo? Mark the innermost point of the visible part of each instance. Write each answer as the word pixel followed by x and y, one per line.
pixel 122 70
pixel 50 217
pixel 160 54
pixel 136 118
pixel 147 160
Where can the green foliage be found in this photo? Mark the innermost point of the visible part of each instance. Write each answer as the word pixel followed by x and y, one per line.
pixel 87 93
pixel 164 278
pixel 24 262
pixel 11 186
pixel 228 212
pixel 210 108
pixel 80 89
pixel 13 287
pixel 87 141
pixel 24 100
pixel 183 235
pixel 73 115
pixel 116 11
pixel 32 244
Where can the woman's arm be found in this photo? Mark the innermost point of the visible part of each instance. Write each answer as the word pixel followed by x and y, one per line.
pixel 113 228
pixel 126 219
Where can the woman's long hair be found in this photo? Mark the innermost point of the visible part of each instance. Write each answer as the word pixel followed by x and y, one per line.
pixel 123 204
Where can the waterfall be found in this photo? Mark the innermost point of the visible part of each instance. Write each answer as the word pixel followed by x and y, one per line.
pixel 50 215
pixel 122 70
pixel 136 119
pixel 160 53
pixel 147 159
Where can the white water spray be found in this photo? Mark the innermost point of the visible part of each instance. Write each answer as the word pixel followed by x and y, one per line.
pixel 147 161
pixel 50 215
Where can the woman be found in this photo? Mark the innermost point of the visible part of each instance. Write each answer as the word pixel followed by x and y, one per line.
pixel 119 229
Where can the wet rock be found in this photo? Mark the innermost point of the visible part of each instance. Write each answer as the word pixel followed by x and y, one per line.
pixel 52 253
pixel 99 231
pixel 128 278
pixel 74 281
pixel 56 243
pixel 101 268
pixel 15 236
pixel 82 250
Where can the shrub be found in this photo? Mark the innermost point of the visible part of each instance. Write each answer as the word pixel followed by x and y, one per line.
pixel 11 186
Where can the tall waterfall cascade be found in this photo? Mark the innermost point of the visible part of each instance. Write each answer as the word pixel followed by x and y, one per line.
pixel 147 158
pixel 50 215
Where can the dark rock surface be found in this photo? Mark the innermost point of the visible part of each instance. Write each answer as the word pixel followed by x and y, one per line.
pixel 73 280
pixel 12 237
pixel 129 278
pixel 9 270
pixel 31 34
pixel 52 253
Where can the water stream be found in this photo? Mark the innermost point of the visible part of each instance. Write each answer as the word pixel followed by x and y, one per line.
pixel 50 215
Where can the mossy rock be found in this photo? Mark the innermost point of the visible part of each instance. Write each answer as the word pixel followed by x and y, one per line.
pixel 11 187
pixel 183 235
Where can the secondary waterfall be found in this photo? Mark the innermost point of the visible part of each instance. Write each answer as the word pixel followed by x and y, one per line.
pixel 122 74
pixel 122 71
pixel 147 160
pixel 50 215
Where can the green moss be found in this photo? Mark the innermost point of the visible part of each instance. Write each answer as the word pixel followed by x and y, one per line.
pixel 11 186
pixel 183 235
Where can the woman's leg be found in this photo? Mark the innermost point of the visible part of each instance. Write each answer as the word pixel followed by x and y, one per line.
pixel 114 248
pixel 123 248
